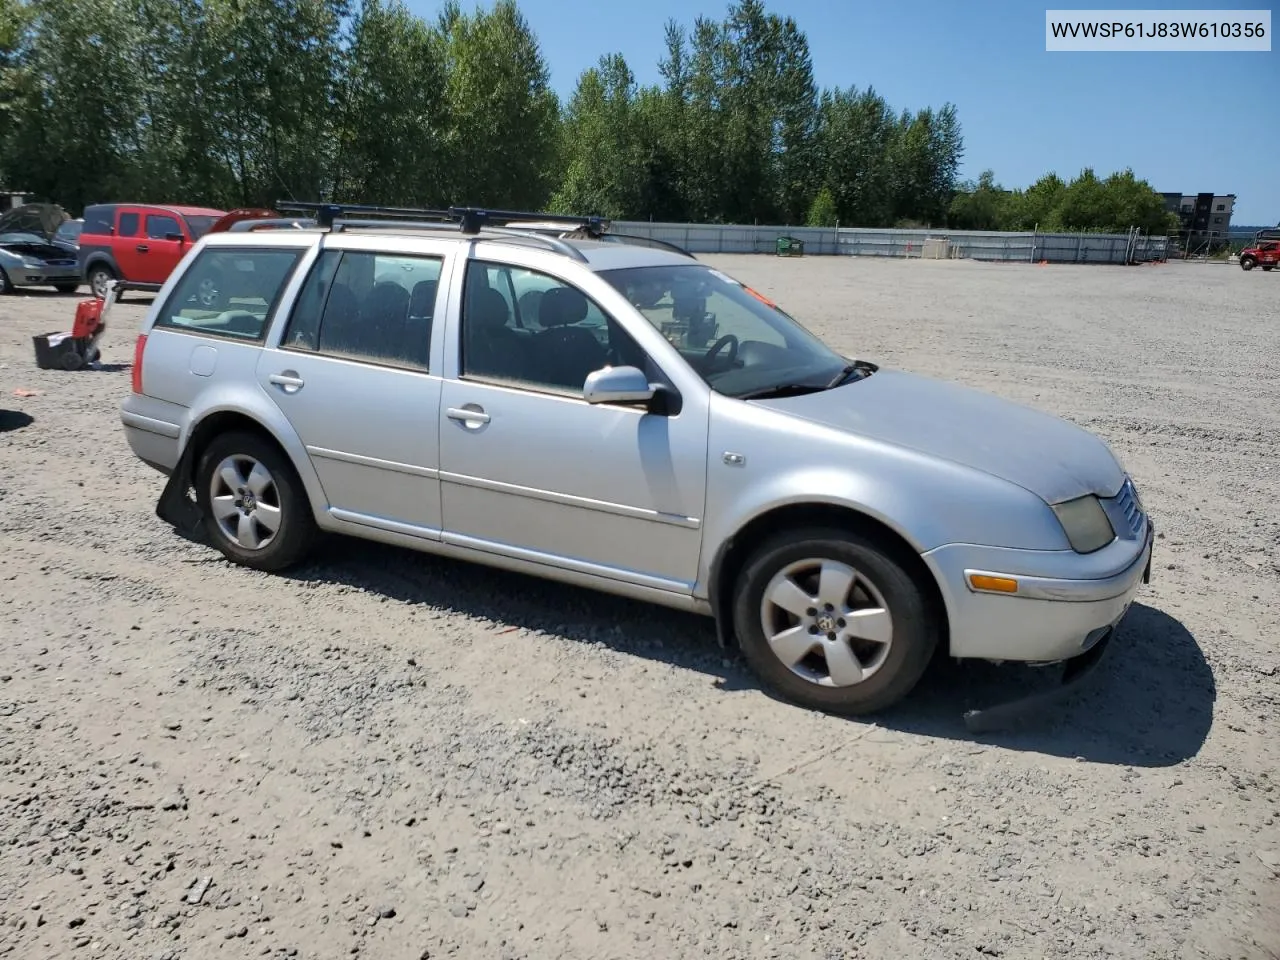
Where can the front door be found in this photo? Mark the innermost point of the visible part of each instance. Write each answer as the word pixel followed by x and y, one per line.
pixel 128 246
pixel 352 375
pixel 162 254
pixel 531 470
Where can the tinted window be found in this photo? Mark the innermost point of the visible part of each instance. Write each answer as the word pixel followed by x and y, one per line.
pixel 160 227
pixel 524 326
pixel 69 231
pixel 98 220
pixel 367 306
pixel 199 225
pixel 128 225
pixel 229 292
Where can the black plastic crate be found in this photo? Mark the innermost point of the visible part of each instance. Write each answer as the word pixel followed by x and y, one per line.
pixel 59 351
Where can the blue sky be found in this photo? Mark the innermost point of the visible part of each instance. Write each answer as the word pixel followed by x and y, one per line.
pixel 1183 121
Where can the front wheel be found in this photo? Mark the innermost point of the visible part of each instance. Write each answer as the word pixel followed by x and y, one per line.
pixel 832 621
pixel 5 285
pixel 66 287
pixel 1247 263
pixel 255 508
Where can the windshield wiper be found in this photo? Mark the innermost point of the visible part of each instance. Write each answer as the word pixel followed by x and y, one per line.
pixel 843 375
pixel 781 390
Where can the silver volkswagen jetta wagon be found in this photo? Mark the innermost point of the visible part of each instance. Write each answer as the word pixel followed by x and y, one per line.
pixel 624 417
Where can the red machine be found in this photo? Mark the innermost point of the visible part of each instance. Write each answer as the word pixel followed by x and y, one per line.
pixel 77 348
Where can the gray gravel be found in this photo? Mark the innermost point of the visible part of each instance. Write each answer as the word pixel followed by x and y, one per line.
pixel 388 755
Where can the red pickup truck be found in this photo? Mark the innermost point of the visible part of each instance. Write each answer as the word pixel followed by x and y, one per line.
pixel 1264 254
pixel 138 243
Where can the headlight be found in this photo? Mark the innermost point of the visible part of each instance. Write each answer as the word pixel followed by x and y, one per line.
pixel 1085 524
pixel 31 263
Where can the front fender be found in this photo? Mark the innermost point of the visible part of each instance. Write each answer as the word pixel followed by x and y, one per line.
pixel 779 461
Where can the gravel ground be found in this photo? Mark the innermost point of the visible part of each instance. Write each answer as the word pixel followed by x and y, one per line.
pixel 392 756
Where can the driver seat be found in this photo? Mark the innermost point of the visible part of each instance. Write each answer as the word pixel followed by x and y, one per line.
pixel 561 353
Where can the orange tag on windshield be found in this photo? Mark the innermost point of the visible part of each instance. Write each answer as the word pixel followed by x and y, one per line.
pixel 760 296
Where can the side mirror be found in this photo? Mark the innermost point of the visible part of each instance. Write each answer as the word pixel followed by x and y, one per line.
pixel 175 236
pixel 617 385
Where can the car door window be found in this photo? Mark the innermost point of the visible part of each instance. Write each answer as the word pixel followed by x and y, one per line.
pixel 525 327
pixel 128 225
pixel 367 306
pixel 159 228
pixel 229 292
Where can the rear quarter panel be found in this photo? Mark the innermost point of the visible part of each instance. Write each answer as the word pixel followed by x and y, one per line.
pixel 202 375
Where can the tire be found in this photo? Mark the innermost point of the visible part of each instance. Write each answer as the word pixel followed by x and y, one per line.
pixel 1267 267
pixel 1246 263
pixel 66 287
pixel 278 498
pixel 97 278
pixel 879 665
pixel 5 285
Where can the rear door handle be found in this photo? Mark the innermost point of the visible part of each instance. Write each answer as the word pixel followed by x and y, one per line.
pixel 467 416
pixel 289 382
pixel 142 248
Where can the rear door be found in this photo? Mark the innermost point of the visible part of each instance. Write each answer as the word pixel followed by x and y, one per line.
pixel 353 370
pixel 128 246
pixel 158 253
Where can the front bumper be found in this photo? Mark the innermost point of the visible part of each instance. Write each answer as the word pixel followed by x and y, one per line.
pixel 1053 615
pixel 45 276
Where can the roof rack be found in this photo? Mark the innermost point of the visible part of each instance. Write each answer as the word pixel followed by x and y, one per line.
pixel 468 220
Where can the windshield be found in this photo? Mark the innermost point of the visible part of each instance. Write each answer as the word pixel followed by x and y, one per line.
pixel 738 341
pixel 199 225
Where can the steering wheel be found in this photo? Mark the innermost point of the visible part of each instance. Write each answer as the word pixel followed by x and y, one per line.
pixel 715 348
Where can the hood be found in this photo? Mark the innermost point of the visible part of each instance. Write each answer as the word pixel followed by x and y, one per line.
pixel 41 219
pixel 1047 455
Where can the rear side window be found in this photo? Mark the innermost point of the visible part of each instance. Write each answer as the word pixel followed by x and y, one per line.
pixel 98 221
pixel 229 292
pixel 367 306
pixel 158 227
pixel 128 225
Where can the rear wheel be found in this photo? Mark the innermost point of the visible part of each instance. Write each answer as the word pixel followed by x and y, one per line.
pixel 255 509
pixel 1246 263
pixel 1267 266
pixel 66 287
pixel 832 621
pixel 99 276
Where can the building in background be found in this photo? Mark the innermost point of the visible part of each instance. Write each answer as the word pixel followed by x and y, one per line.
pixel 1205 219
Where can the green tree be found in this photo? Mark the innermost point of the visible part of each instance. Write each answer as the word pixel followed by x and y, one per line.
pixel 602 144
pixel 823 213
pixel 394 115
pixel 503 137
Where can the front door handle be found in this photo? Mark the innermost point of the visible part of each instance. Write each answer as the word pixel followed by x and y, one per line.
pixel 288 381
pixel 467 415
pixel 142 248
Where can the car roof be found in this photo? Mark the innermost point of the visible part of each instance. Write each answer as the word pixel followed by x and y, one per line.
pixel 185 211
pixel 596 255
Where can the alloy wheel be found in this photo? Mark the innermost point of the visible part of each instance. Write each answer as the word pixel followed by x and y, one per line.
pixel 826 622
pixel 245 502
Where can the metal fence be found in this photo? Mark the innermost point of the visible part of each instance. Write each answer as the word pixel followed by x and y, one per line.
pixel 1030 247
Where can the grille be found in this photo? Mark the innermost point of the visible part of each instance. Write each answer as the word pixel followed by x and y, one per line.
pixel 1128 509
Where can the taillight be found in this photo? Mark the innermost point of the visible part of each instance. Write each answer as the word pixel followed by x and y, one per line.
pixel 137 362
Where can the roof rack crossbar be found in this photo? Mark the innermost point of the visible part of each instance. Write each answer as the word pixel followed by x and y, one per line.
pixel 468 219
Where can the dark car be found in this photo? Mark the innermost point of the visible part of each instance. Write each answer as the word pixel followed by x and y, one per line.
pixel 138 243
pixel 31 254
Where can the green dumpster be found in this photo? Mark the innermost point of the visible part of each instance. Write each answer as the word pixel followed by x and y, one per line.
pixel 790 247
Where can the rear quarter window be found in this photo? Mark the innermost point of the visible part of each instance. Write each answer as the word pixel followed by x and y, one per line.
pixel 229 292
